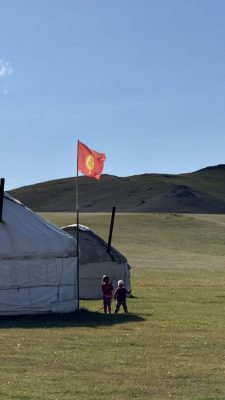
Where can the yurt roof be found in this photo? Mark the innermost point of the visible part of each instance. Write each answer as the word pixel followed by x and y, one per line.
pixel 92 247
pixel 24 233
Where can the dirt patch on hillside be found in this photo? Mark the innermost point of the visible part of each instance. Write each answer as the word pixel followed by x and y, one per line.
pixel 181 191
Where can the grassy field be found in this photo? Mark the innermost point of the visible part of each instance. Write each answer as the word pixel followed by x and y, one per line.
pixel 170 345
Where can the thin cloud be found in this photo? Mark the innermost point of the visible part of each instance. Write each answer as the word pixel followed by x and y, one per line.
pixel 6 75
pixel 6 68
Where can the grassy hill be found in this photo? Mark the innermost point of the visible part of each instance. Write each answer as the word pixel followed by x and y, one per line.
pixel 201 191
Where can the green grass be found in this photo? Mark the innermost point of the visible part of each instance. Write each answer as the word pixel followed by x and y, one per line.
pixel 170 345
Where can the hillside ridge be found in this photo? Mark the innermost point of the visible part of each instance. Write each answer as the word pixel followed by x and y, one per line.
pixel 201 191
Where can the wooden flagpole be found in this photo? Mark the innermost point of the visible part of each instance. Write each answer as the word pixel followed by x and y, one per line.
pixel 78 251
pixel 111 229
pixel 1 197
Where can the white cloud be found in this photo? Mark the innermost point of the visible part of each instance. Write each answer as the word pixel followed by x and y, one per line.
pixel 6 75
pixel 6 68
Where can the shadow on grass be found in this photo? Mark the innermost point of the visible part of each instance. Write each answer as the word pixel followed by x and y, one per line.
pixel 79 318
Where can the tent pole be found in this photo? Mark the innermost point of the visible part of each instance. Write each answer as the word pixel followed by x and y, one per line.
pixel 1 197
pixel 78 252
pixel 111 229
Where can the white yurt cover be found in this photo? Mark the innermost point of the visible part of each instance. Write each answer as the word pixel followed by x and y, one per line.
pixel 38 264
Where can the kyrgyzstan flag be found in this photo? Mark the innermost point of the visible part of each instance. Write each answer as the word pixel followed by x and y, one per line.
pixel 90 162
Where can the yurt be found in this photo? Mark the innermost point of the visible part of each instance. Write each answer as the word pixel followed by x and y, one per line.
pixel 38 263
pixel 95 261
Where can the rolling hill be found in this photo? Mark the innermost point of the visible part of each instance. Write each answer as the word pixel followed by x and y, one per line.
pixel 202 191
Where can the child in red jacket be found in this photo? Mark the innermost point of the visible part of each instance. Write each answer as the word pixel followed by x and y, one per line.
pixel 107 291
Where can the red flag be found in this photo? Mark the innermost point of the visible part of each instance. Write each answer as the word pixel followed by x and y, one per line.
pixel 90 162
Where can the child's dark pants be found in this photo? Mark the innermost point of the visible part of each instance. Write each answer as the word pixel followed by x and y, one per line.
pixel 119 303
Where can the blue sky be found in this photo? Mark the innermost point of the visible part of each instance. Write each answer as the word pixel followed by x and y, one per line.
pixel 141 80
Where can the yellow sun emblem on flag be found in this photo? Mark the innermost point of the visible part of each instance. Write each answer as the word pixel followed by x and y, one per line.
pixel 90 162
